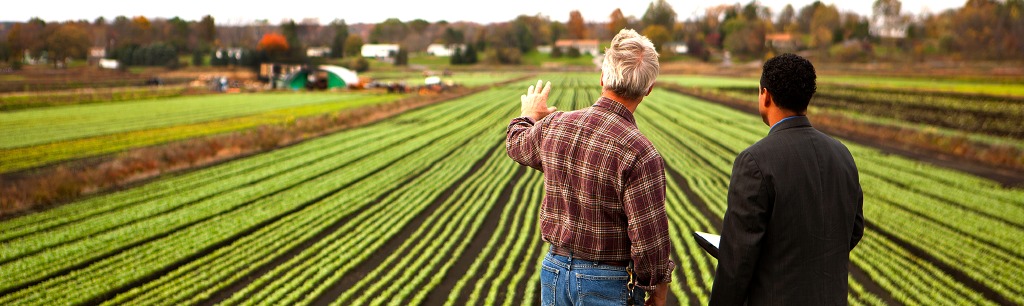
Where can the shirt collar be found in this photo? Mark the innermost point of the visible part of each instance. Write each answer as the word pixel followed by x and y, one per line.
pixel 801 120
pixel 616 108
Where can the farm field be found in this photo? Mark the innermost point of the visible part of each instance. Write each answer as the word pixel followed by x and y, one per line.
pixel 42 129
pixel 940 85
pixel 426 208
pixel 470 79
pixel 922 105
pixel 40 136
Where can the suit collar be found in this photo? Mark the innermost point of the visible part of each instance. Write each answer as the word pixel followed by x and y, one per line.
pixel 798 121
pixel 616 108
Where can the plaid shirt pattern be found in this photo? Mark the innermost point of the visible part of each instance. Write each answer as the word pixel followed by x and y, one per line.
pixel 604 186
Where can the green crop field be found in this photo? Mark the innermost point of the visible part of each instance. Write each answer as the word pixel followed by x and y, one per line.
pixel 891 83
pixel 926 105
pixel 426 208
pixel 40 136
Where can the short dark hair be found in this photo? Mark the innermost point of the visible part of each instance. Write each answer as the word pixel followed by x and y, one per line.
pixel 791 80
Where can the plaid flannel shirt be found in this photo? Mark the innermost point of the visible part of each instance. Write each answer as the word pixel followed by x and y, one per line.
pixel 604 186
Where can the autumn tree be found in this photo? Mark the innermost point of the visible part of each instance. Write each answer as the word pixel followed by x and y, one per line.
pixel 658 35
pixel 823 26
pixel 274 45
pixel 577 27
pixel 660 13
pixel 805 15
pixel 140 31
pixel 391 30
pixel 744 32
pixel 25 37
pixel 617 22
pixel 207 31
pixel 353 45
pixel 786 20
pixel 67 41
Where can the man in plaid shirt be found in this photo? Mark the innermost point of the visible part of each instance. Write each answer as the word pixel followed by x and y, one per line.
pixel 603 212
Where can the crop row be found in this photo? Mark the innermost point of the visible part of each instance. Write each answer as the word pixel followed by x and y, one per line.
pixel 209 229
pixel 20 101
pixel 996 116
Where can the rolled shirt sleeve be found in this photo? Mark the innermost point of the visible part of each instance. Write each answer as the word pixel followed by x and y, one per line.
pixel 522 141
pixel 644 205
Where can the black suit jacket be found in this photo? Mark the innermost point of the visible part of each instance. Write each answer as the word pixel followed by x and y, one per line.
pixel 794 215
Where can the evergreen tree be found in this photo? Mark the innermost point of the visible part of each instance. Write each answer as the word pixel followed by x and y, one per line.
pixel 469 57
pixel 296 52
pixel 402 58
pixel 197 58
pixel 340 35
pixel 456 58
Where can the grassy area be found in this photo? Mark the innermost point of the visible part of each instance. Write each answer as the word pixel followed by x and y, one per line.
pixel 708 81
pixel 11 78
pixel 535 58
pixel 431 61
pixel 469 79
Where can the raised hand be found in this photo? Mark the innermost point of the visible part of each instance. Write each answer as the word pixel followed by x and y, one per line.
pixel 535 102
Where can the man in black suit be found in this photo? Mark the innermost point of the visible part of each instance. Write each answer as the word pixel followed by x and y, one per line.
pixel 794 207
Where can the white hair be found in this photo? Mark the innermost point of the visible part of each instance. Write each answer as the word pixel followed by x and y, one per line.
pixel 630 65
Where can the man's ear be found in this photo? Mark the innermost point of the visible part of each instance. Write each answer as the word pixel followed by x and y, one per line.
pixel 768 99
pixel 602 78
pixel 649 89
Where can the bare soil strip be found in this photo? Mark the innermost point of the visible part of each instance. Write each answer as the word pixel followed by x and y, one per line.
pixel 672 299
pixel 523 261
pixel 871 286
pixel 715 220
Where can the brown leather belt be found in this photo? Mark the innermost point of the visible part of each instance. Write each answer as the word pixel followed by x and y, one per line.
pixel 567 253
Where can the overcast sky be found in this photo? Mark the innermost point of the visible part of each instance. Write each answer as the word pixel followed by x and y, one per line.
pixel 374 11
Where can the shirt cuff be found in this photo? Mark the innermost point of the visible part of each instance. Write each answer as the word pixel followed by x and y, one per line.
pixel 663 277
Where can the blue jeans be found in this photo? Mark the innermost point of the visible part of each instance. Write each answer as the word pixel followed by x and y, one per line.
pixel 566 281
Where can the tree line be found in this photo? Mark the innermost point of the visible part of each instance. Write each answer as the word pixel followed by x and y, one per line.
pixel 979 30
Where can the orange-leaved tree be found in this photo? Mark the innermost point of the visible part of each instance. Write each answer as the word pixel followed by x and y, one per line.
pixel 274 44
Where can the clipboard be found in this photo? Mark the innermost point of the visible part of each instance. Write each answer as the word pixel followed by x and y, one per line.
pixel 709 242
